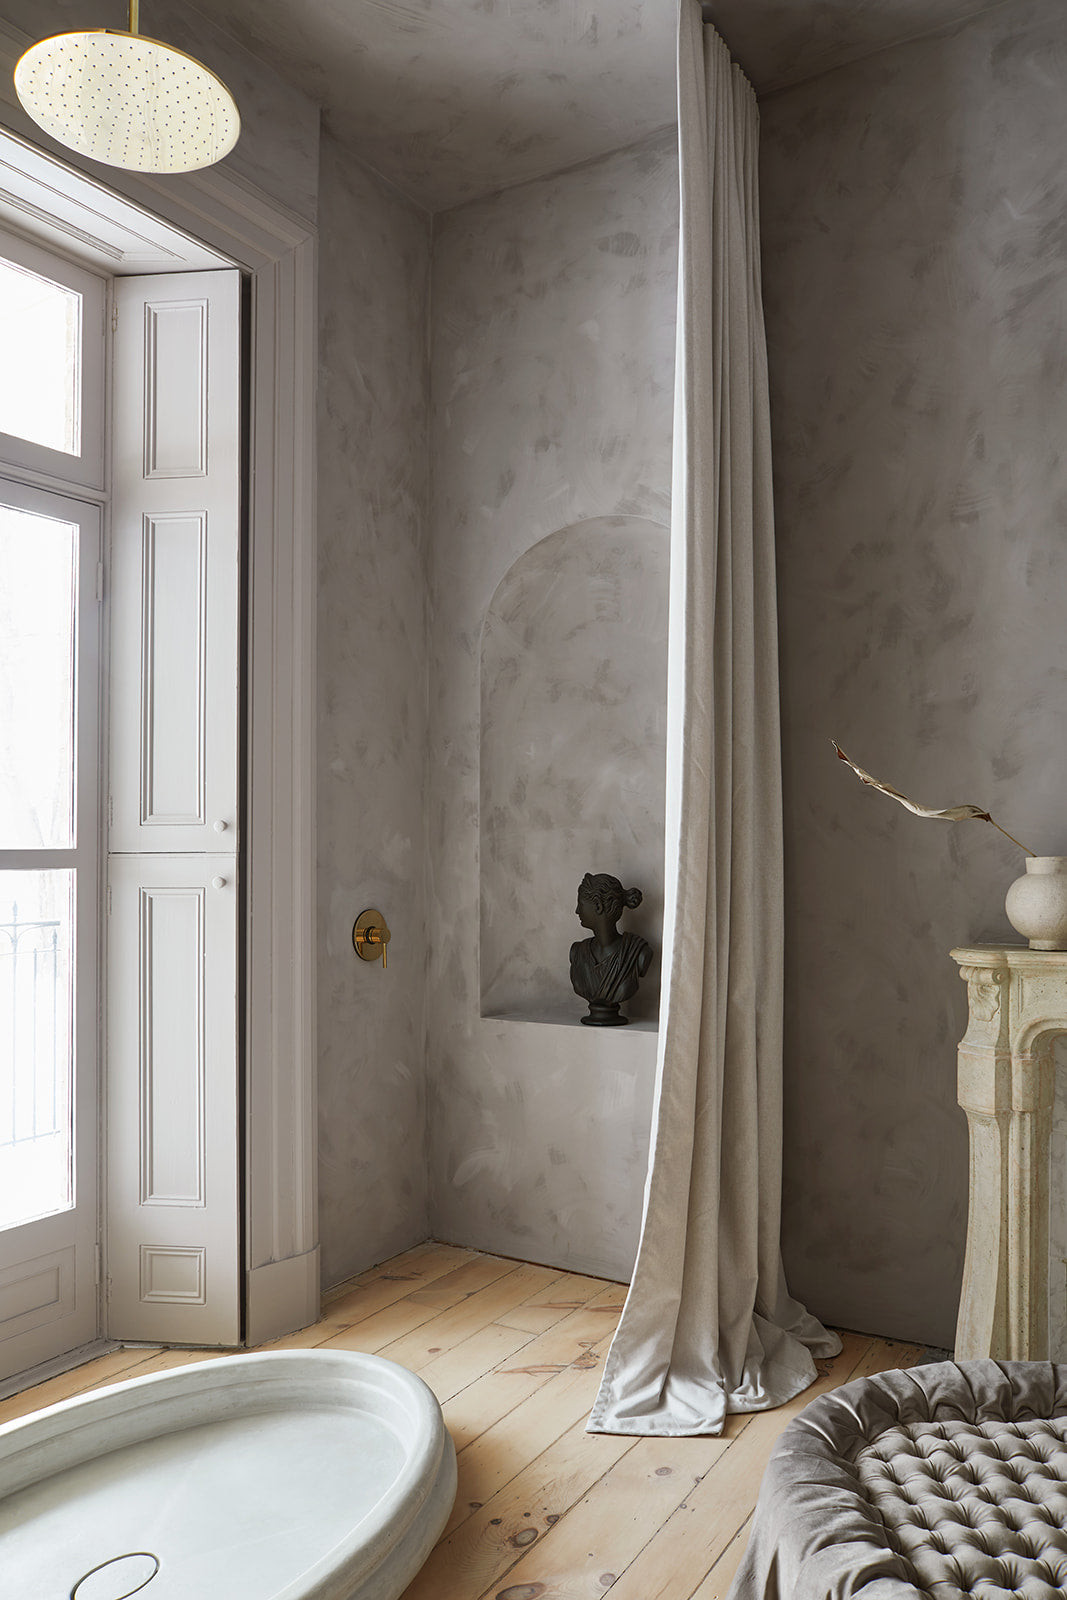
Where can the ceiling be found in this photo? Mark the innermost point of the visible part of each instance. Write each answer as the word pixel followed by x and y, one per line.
pixel 451 99
pixel 779 42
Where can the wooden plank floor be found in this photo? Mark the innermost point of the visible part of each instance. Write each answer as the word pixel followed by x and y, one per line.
pixel 545 1511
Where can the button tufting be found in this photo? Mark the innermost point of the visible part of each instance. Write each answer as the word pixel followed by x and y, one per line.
pixel 977 1510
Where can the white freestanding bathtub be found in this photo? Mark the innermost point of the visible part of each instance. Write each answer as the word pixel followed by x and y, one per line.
pixel 291 1475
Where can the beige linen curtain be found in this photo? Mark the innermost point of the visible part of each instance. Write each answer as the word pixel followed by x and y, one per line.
pixel 709 1326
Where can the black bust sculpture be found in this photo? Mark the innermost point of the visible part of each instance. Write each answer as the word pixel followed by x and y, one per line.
pixel 606 969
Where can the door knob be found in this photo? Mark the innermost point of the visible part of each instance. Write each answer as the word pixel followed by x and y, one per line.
pixel 370 936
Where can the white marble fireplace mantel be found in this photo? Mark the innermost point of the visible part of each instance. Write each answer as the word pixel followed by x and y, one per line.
pixel 1006 1085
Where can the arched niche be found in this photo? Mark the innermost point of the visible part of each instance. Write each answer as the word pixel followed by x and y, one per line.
pixel 573 751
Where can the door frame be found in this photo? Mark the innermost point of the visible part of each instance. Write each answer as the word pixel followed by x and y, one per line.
pixel 277 250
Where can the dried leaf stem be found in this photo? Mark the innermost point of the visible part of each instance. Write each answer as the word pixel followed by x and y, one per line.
pixel 1013 839
pixel 950 814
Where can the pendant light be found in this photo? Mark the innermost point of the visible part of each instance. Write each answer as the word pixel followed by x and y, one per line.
pixel 128 101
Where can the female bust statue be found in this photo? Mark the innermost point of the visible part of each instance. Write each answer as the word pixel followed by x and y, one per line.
pixel 605 969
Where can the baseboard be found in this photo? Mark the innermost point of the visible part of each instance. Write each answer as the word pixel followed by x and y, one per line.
pixel 281 1297
pixel 30 1378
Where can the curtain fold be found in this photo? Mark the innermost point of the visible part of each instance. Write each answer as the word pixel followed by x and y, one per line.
pixel 709 1326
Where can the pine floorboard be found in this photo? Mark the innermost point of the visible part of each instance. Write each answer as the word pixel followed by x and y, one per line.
pixel 544 1510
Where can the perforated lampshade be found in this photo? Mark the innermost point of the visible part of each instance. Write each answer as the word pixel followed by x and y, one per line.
pixel 128 101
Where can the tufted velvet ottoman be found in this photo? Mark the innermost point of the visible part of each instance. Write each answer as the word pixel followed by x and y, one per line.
pixel 942 1481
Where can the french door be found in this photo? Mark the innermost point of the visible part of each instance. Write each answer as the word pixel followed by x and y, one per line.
pixel 51 431
pixel 118 920
pixel 50 554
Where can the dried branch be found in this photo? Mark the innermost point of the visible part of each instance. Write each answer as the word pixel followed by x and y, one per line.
pixel 950 814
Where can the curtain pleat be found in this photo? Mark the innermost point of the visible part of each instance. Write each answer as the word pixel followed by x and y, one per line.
pixel 709 1326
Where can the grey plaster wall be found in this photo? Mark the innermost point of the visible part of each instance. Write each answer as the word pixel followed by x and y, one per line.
pixel 572 755
pixel 374 280
pixel 914 211
pixel 552 388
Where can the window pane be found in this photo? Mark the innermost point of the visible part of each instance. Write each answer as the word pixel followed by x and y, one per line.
pixel 36 1050
pixel 38 568
pixel 40 354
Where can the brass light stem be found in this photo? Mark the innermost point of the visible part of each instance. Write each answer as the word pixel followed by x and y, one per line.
pixel 135 7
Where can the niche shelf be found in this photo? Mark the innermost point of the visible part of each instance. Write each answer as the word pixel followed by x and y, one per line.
pixel 559 1020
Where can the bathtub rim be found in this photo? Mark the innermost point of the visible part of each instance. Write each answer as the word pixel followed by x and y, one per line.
pixel 379 1544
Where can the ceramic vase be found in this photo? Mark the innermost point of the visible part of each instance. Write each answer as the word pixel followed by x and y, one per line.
pixel 1037 903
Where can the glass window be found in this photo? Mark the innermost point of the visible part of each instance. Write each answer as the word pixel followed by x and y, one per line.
pixel 36 922
pixel 38 565
pixel 40 355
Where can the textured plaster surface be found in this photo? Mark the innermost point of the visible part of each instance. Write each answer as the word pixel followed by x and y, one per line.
pixel 782 42
pixel 553 370
pixel 914 235
pixel 374 268
pixel 573 750
pixel 451 99
pixel 278 150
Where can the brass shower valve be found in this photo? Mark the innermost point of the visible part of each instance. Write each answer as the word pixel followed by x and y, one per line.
pixel 370 936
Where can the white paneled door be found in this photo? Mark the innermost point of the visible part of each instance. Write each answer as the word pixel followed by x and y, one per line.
pixel 173 1219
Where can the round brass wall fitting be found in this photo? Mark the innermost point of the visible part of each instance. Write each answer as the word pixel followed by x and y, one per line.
pixel 370 936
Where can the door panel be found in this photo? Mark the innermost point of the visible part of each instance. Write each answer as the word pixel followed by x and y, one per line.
pixel 176 387
pixel 175 564
pixel 172 1086
pixel 174 710
pixel 36 1291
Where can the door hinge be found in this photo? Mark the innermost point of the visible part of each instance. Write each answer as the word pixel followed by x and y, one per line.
pixel 115 318
pixel 109 899
pixel 111 810
pixel 99 580
pixel 98 1264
